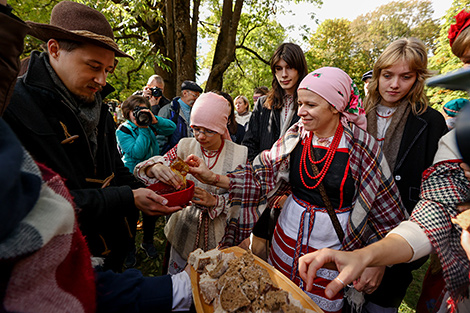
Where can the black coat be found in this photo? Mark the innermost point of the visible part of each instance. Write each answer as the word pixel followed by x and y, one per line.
pixel 417 149
pixel 264 129
pixel 35 114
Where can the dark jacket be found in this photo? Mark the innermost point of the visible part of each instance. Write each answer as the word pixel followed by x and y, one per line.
pixel 417 149
pixel 264 129
pixel 172 112
pixel 416 153
pixel 35 114
pixel 239 134
pixel 156 108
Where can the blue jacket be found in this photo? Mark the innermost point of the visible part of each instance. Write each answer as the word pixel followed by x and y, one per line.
pixel 138 144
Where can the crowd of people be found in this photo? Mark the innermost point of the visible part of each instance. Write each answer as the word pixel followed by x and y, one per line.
pixel 310 176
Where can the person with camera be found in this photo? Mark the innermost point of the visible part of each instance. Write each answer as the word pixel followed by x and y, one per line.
pixel 154 93
pixel 136 137
pixel 137 142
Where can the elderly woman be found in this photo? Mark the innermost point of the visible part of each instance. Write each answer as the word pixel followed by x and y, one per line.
pixel 343 195
pixel 203 221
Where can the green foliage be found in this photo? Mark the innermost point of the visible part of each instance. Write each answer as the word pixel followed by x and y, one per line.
pixel 124 17
pixel 443 60
pixel 258 36
pixel 355 46
pixel 248 71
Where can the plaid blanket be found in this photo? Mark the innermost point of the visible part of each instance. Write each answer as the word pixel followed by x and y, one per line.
pixel 44 259
pixel 444 185
pixel 377 207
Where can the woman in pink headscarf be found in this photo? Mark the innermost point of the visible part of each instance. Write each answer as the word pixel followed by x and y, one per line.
pixel 202 223
pixel 343 195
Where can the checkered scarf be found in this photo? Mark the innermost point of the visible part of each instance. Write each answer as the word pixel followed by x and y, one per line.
pixel 444 185
pixel 377 206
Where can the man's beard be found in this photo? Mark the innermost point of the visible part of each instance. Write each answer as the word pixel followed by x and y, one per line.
pixel 86 100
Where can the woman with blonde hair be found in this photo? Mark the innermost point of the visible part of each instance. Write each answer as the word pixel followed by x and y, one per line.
pixel 408 130
pixel 242 112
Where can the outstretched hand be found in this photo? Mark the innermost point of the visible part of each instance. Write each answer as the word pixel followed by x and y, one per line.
pixel 198 169
pixel 152 204
pixel 349 264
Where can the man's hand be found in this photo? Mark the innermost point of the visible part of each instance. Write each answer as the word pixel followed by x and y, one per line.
pixel 147 93
pixel 152 204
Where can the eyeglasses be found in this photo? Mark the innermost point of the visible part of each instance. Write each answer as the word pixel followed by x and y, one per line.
pixel 256 98
pixel 208 133
pixel 195 95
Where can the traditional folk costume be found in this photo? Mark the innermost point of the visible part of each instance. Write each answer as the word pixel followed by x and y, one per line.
pixel 355 175
pixel 203 227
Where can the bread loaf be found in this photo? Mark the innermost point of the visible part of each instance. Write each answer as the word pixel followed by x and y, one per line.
pixel 239 284
pixel 463 219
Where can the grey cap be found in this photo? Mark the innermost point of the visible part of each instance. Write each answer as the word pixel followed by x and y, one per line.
pixel 190 85
pixel 367 75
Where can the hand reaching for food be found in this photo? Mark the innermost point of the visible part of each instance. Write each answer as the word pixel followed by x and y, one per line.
pixel 181 169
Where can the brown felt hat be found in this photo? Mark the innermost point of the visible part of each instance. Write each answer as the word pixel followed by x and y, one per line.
pixel 77 22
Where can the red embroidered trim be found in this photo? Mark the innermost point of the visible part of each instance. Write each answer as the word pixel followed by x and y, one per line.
pixel 215 155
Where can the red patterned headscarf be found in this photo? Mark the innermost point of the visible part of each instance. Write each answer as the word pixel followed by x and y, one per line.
pixel 462 21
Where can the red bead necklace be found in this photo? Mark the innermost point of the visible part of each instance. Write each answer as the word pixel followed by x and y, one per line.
pixel 328 158
pixel 216 155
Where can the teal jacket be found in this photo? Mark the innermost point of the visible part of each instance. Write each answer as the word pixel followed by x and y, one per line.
pixel 138 144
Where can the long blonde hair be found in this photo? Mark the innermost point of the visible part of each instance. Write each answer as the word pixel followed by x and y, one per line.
pixel 413 52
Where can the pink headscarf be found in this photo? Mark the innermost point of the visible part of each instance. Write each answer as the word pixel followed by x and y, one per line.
pixel 336 87
pixel 211 111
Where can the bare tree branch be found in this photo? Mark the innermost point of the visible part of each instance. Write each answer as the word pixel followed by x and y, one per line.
pixel 239 66
pixel 254 53
pixel 246 35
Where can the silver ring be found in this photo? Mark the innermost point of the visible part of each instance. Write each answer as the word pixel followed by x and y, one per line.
pixel 342 282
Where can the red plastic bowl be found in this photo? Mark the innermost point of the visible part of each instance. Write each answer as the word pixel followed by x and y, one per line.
pixel 175 198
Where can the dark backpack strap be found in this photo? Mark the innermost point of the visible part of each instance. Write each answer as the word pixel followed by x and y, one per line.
pixel 125 130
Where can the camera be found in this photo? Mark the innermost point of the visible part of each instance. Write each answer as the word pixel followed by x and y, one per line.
pixel 143 118
pixel 156 92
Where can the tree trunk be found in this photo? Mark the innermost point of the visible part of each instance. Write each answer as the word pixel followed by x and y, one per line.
pixel 184 58
pixel 226 43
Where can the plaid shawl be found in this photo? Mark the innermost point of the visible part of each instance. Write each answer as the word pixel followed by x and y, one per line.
pixel 377 207
pixel 50 263
pixel 443 186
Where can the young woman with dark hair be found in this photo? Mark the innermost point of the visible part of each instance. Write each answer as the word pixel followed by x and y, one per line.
pixel 275 113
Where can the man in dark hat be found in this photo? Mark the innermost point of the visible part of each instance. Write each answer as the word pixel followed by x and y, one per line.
pixel 366 79
pixel 44 258
pixel 179 111
pixel 57 113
